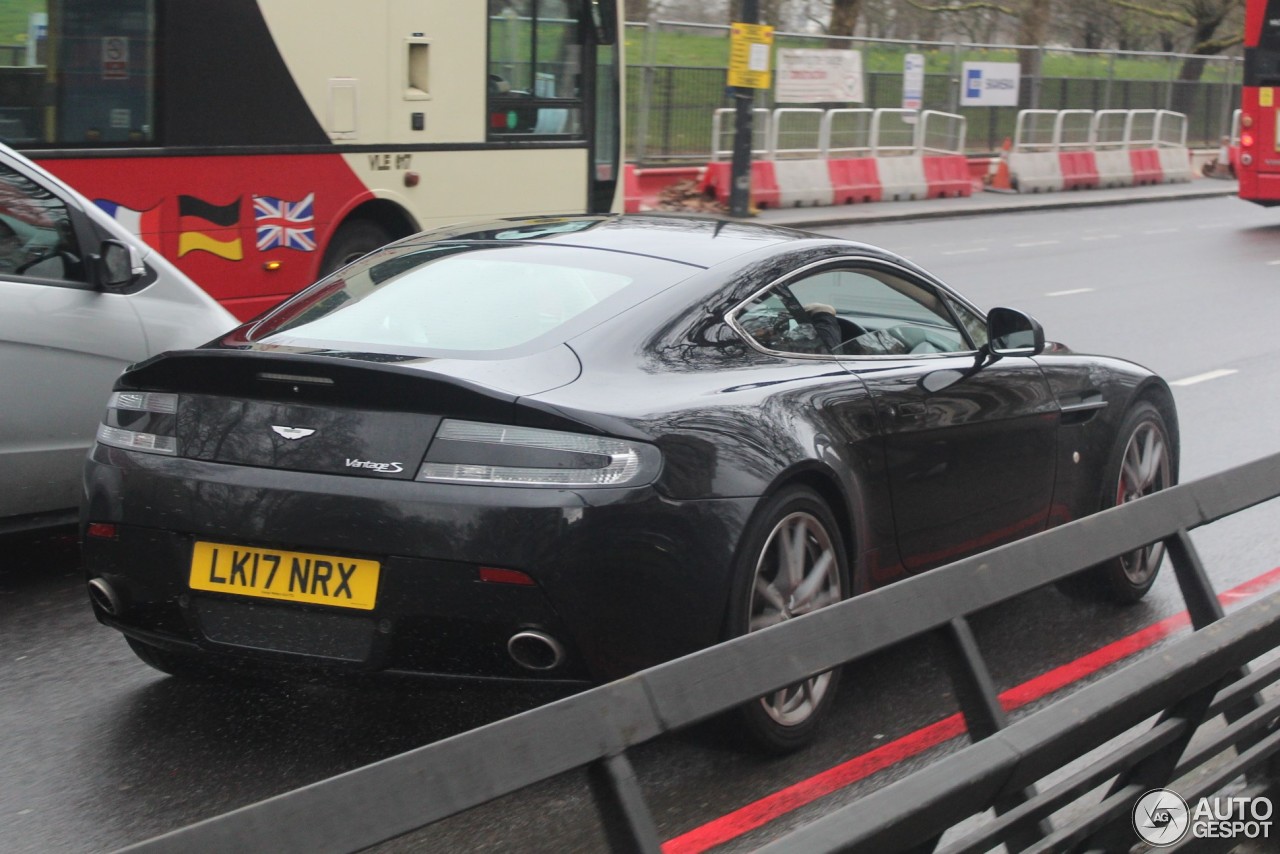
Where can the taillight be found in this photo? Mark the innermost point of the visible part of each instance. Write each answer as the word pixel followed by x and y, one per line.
pixel 1246 140
pixel 498 454
pixel 141 421
pixel 1246 120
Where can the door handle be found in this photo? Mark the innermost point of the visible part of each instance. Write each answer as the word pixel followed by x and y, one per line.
pixel 910 410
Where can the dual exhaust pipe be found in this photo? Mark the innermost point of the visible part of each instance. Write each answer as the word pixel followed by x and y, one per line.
pixel 534 650
pixel 105 597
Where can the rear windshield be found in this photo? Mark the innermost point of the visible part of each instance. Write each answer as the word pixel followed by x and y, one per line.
pixel 467 298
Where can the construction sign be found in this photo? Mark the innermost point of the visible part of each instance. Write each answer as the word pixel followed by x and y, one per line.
pixel 749 49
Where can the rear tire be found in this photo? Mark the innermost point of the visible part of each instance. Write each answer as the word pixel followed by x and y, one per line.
pixel 353 239
pixel 791 562
pixel 1141 463
pixel 182 665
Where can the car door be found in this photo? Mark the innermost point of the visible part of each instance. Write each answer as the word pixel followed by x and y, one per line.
pixel 62 343
pixel 969 454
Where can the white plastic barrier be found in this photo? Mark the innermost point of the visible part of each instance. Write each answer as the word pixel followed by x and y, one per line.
pixel 1171 139
pixel 796 132
pixel 1111 148
pixel 902 178
pixel 1115 169
pixel 1036 171
pixel 1176 165
pixel 803 182
pixel 723 123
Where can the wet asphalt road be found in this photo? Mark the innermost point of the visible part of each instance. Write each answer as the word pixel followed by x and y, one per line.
pixel 99 751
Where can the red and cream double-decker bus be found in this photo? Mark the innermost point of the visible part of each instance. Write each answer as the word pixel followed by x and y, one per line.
pixel 1258 166
pixel 261 143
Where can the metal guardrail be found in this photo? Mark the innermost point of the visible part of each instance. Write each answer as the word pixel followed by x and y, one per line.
pixel 1058 130
pixel 595 729
pixel 806 132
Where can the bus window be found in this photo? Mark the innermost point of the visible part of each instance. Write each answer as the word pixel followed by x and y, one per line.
pixel 535 68
pixel 92 84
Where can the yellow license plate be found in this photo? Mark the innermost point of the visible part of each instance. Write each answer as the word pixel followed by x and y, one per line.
pixel 292 576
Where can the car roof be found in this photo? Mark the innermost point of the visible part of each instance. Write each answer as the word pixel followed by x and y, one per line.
pixel 700 241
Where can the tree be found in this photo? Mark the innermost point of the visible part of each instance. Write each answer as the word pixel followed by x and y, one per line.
pixel 1032 19
pixel 844 17
pixel 1203 18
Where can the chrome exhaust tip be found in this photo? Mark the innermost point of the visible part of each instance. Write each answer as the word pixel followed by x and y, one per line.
pixel 535 650
pixel 105 597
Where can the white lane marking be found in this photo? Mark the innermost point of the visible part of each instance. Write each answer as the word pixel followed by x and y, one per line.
pixel 965 251
pixel 1101 237
pixel 1216 225
pixel 1070 292
pixel 1037 243
pixel 1160 231
pixel 1273 263
pixel 1204 378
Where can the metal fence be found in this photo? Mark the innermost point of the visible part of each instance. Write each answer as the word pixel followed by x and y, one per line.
pixel 1186 684
pixel 676 80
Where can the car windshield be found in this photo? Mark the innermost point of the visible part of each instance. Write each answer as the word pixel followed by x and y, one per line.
pixel 467 298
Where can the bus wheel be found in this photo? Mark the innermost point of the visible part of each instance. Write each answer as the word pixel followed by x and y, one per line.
pixel 354 239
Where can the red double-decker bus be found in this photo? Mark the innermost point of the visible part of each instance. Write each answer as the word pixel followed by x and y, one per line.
pixel 261 143
pixel 1258 167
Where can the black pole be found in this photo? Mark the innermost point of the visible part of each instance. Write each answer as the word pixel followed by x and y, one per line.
pixel 744 100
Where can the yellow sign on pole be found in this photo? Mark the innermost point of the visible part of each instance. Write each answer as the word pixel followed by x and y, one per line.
pixel 749 48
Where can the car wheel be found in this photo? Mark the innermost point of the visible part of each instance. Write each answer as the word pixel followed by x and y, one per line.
pixel 1141 463
pixel 353 240
pixel 792 562
pixel 182 665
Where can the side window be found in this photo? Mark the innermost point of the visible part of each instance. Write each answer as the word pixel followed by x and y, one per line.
pixel 777 322
pixel 971 321
pixel 36 235
pixel 879 313
pixel 83 74
pixel 535 68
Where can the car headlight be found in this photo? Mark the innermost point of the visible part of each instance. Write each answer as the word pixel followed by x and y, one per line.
pixel 480 453
pixel 141 421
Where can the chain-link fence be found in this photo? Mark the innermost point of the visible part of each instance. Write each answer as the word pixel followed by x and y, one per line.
pixel 676 81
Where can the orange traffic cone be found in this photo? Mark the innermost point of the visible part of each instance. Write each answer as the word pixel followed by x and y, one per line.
pixel 999 176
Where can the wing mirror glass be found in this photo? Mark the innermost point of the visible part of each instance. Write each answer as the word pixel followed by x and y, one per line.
pixel 118 266
pixel 1012 333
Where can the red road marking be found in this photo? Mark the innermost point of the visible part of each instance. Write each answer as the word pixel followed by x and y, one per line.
pixel 761 812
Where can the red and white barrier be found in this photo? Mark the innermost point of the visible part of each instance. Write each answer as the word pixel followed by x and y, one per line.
pixel 1146 166
pixel 717 181
pixel 947 176
pixel 854 179
pixel 1079 170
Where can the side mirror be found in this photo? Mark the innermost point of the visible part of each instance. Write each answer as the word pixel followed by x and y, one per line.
pixel 118 265
pixel 1012 333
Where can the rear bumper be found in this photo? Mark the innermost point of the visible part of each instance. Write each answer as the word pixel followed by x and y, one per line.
pixel 624 578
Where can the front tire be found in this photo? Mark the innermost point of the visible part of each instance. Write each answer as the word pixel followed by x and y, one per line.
pixel 791 563
pixel 1141 463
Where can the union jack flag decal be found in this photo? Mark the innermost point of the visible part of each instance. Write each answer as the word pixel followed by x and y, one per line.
pixel 285 224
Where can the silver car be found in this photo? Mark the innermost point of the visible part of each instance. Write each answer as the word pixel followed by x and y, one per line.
pixel 80 299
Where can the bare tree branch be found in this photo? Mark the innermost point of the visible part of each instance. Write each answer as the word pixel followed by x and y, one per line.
pixel 976 6
pixel 1174 15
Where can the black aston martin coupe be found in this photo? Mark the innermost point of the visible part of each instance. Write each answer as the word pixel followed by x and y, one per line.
pixel 571 448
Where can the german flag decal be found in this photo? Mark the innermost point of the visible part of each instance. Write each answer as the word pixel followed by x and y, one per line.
pixel 207 227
